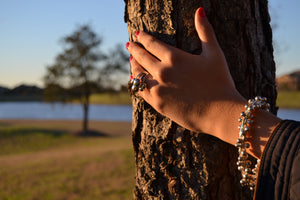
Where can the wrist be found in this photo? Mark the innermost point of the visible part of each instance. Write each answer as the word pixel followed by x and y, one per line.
pixel 227 130
pixel 224 125
pixel 263 127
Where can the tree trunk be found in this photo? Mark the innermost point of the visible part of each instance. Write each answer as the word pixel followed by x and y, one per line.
pixel 172 162
pixel 85 117
pixel 86 103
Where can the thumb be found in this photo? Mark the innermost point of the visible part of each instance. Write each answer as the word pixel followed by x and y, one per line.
pixel 204 29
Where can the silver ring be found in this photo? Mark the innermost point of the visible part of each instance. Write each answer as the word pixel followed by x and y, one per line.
pixel 138 83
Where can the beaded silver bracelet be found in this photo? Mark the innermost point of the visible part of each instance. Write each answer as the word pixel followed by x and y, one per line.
pixel 246 119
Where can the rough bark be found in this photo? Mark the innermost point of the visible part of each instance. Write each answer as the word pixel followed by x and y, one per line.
pixel 172 162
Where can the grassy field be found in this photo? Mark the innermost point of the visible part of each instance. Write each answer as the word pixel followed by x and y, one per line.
pixel 110 98
pixel 288 99
pixel 43 160
pixel 122 98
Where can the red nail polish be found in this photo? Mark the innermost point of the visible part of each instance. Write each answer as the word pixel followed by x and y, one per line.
pixel 127 45
pixel 131 77
pixel 202 12
pixel 137 33
pixel 130 59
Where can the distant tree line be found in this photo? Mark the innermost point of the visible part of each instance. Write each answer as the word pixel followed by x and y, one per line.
pixel 289 81
pixel 21 93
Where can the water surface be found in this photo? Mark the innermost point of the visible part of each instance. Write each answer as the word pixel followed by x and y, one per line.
pixel 44 111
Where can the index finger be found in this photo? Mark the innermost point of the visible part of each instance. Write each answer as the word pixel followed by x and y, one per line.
pixel 143 57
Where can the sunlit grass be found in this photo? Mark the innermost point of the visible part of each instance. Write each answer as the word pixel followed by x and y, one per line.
pixel 42 163
pixel 122 98
pixel 288 99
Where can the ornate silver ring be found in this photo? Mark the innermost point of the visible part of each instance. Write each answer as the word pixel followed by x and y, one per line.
pixel 138 83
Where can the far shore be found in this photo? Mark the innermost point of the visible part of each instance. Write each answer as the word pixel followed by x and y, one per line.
pixel 288 99
pixel 118 98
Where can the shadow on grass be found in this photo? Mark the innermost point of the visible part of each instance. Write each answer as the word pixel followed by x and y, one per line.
pixel 21 140
pixel 5 124
pixel 13 132
pixel 90 133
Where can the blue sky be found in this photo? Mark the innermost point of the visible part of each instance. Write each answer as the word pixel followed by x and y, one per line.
pixel 286 16
pixel 31 30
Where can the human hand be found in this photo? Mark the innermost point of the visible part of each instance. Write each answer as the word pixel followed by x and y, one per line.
pixel 196 91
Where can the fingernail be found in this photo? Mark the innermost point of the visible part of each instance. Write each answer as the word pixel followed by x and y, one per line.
pixel 137 33
pixel 127 45
pixel 202 12
pixel 130 59
pixel 131 77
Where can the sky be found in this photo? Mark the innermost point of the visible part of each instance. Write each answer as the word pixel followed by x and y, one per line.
pixel 30 32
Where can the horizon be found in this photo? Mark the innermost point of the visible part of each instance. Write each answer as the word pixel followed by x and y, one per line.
pixel 31 32
pixel 43 87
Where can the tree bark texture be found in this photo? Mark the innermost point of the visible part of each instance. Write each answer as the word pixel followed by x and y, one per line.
pixel 172 162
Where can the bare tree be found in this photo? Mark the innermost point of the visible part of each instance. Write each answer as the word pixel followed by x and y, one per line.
pixel 75 69
pixel 172 162
pixel 115 73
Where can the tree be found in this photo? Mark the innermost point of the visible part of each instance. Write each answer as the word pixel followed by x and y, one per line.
pixel 172 162
pixel 75 69
pixel 115 73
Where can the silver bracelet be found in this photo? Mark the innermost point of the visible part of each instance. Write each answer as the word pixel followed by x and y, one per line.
pixel 246 119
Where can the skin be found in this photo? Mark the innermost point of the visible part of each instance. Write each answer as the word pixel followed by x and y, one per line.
pixel 197 91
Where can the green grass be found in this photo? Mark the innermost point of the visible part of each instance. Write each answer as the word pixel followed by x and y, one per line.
pixel 111 98
pixel 21 98
pixel 122 98
pixel 288 99
pixel 37 162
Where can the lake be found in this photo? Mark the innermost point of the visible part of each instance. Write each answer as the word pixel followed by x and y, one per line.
pixel 44 111
pixel 49 111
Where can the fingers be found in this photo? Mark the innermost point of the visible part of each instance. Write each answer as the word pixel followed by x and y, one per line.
pixel 154 53
pixel 156 47
pixel 204 29
pixel 144 58
pixel 137 69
